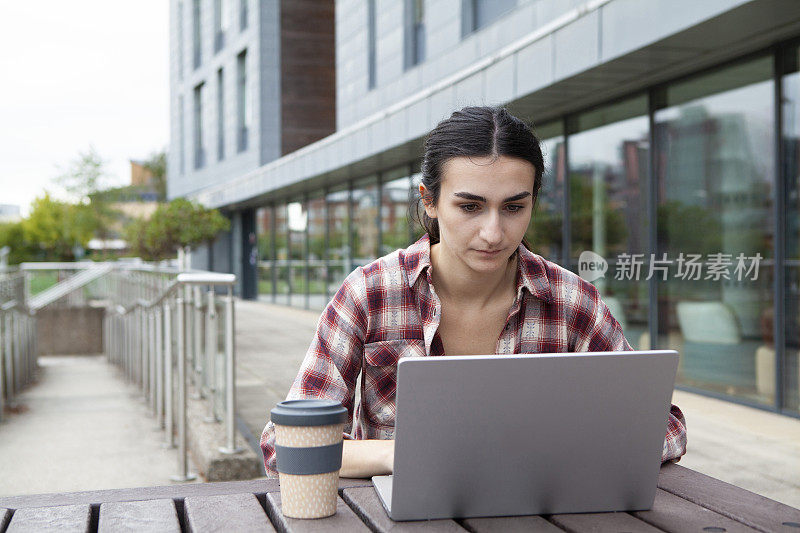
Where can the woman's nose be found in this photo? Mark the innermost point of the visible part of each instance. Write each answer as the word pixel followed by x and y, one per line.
pixel 491 230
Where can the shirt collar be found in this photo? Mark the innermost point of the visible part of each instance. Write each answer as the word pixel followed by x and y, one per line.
pixel 532 275
pixel 531 268
pixel 418 258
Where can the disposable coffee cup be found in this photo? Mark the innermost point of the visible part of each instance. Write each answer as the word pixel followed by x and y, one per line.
pixel 308 448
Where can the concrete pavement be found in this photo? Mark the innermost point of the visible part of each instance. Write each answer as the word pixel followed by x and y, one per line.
pixel 750 448
pixel 81 426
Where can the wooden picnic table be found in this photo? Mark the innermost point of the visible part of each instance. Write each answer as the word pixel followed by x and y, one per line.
pixel 685 501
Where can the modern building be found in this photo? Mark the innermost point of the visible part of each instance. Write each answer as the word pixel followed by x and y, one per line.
pixel 9 213
pixel 670 129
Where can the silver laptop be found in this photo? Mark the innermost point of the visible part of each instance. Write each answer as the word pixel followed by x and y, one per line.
pixel 528 434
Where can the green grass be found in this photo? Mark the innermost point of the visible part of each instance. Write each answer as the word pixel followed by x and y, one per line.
pixel 42 281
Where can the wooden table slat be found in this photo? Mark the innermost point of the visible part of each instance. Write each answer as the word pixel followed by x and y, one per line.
pixel 172 492
pixel 5 516
pixel 231 512
pixel 344 519
pixel 65 518
pixel 510 524
pixel 728 500
pixel 602 523
pixel 365 502
pixel 673 513
pixel 134 517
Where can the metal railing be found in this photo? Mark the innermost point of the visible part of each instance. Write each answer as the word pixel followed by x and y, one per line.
pixel 163 330
pixel 167 330
pixel 17 339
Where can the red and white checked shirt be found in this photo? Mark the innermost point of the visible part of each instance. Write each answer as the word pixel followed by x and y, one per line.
pixel 388 310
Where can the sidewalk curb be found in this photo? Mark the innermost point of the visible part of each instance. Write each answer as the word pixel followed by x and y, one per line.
pixel 204 440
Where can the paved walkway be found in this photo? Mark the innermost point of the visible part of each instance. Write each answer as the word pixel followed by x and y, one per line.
pixel 753 449
pixel 81 427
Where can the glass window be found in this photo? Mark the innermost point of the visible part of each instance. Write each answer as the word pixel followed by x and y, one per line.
pixel 265 232
pixel 339 257
pixel 715 175
pixel 371 38
pixel 791 303
pixel 221 23
pixel 281 263
pixel 545 232
pixel 181 136
pixel 395 221
pixel 243 102
pixel 196 34
pixel 317 273
pixel 414 18
pixel 477 14
pixel 297 221
pixel 199 137
pixel 242 14
pixel 220 115
pixel 180 41
pixel 365 221
pixel 608 175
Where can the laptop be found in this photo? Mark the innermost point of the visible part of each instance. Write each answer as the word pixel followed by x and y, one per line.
pixel 528 434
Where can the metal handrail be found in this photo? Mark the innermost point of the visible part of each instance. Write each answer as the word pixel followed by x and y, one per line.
pixel 18 348
pixel 139 338
pixel 157 324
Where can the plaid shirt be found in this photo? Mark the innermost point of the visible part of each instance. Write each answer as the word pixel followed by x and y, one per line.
pixel 388 310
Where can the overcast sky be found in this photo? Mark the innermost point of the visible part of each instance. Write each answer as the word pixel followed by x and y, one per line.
pixel 75 74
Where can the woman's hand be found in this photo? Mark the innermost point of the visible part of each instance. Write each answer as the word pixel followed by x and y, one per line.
pixel 367 458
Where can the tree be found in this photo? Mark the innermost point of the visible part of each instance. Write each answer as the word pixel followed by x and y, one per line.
pixel 179 224
pixel 157 165
pixel 86 178
pixel 85 175
pixel 12 234
pixel 57 228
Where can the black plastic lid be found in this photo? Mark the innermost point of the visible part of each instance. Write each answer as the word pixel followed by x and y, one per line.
pixel 308 413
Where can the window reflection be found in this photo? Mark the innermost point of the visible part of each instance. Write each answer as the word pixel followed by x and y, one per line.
pixel 608 168
pixel 297 221
pixel 365 218
pixel 317 275
pixel 715 185
pixel 545 230
pixel 264 231
pixel 281 255
pixel 395 221
pixel 338 226
pixel 791 150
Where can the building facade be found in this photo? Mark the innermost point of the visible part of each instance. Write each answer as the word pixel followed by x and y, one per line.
pixel 670 131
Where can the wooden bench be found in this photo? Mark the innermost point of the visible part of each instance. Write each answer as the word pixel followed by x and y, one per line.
pixel 686 501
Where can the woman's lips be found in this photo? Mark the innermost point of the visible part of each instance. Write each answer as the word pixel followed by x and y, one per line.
pixel 489 253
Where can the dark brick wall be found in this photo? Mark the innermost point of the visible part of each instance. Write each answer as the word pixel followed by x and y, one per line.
pixel 308 72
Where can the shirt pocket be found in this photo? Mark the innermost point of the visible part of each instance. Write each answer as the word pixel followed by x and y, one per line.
pixel 384 353
pixel 380 378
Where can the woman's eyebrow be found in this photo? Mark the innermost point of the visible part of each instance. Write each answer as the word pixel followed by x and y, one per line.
pixel 476 198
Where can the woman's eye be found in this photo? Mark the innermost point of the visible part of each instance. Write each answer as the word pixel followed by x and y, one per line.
pixel 469 208
pixel 514 208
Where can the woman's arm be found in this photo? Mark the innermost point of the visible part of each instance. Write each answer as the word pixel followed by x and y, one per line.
pixel 367 458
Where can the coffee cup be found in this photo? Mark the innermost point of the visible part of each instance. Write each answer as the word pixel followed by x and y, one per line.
pixel 308 448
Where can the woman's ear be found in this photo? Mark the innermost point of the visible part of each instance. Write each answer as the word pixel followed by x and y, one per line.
pixel 427 201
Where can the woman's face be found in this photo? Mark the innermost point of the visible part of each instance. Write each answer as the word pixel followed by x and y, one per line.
pixel 483 210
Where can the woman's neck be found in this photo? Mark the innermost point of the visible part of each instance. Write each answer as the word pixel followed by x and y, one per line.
pixel 455 281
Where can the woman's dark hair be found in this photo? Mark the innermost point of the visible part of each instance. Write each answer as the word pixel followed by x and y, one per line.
pixel 475 132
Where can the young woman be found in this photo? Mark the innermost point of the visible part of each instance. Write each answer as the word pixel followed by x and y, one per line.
pixel 469 286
